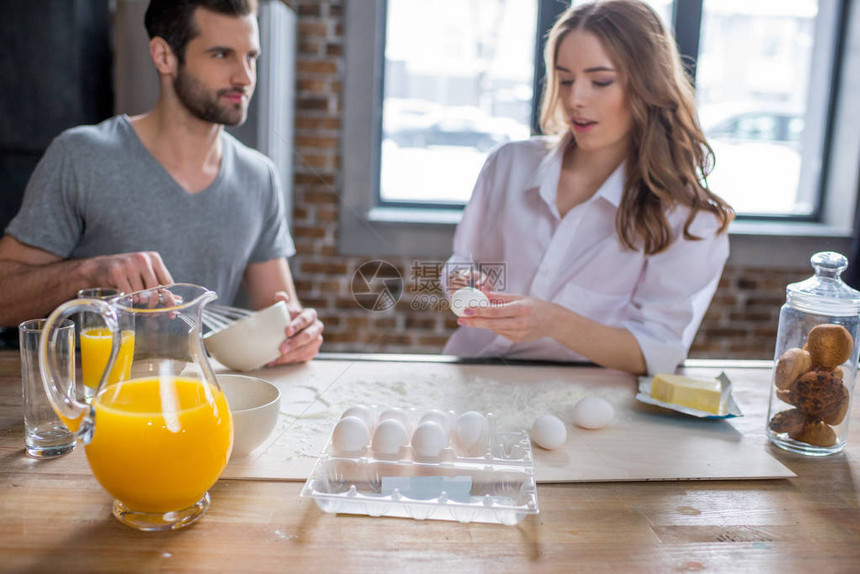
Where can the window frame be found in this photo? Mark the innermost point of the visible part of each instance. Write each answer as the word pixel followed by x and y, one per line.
pixel 547 13
pixel 687 25
pixel 369 229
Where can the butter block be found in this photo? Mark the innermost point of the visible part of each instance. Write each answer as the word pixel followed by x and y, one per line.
pixel 700 394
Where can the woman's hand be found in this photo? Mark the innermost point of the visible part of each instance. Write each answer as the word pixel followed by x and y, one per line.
pixel 515 317
pixel 519 318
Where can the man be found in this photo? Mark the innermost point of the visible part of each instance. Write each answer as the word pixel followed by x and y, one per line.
pixel 136 202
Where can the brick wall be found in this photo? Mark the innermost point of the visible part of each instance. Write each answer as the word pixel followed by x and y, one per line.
pixel 741 322
pixel 743 317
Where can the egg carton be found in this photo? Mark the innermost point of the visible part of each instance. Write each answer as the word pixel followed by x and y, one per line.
pixel 492 482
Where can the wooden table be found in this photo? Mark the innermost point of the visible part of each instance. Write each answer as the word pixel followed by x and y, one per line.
pixel 59 522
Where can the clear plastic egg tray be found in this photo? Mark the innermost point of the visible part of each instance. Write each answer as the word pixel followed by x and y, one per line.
pixel 492 482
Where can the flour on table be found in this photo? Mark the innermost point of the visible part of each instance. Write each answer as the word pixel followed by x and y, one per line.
pixel 308 415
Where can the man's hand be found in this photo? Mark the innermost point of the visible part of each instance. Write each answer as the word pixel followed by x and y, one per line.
pixel 128 272
pixel 304 335
pixel 35 281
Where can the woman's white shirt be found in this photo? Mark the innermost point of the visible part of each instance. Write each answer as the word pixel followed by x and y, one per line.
pixel 578 262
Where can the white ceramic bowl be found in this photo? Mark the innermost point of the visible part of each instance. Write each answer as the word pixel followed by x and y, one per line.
pixel 255 404
pixel 251 342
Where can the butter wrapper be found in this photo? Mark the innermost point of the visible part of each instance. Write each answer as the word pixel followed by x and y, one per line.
pixel 728 407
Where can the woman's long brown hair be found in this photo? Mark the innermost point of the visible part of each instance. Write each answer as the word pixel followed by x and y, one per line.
pixel 669 159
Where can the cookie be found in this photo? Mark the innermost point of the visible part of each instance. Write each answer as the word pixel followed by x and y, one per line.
pixel 829 345
pixel 835 412
pixel 791 421
pixel 790 366
pixel 817 393
pixel 784 395
pixel 816 433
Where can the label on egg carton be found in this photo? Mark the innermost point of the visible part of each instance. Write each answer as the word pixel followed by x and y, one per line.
pixel 457 488
pixel 434 436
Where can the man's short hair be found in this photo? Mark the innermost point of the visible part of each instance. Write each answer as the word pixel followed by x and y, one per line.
pixel 173 20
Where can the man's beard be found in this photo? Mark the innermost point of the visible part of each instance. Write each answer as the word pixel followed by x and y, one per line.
pixel 203 104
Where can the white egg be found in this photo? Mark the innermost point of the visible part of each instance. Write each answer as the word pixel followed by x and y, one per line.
pixel 549 432
pixel 362 412
pixel 398 414
pixel 470 429
pixel 592 413
pixel 350 435
pixel 429 439
pixel 389 437
pixel 440 417
pixel 468 297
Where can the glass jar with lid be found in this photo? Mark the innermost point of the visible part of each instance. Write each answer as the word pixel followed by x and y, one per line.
pixel 815 361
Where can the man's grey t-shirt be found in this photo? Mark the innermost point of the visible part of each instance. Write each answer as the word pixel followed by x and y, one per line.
pixel 98 191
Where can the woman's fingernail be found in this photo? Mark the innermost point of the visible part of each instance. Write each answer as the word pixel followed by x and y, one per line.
pixel 461 322
pixel 469 312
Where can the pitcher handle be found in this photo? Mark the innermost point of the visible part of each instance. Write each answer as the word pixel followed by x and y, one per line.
pixel 78 416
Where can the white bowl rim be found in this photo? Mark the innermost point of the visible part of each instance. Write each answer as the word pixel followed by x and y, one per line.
pixel 253 315
pixel 251 409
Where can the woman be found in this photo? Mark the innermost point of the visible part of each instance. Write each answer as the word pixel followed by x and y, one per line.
pixel 612 243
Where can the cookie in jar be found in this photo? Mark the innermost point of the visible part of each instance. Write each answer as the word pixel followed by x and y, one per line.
pixel 815 361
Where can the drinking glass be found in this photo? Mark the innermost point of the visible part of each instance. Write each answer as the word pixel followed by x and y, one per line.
pixel 96 344
pixel 44 433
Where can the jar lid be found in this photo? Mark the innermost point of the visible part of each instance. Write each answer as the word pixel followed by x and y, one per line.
pixel 825 293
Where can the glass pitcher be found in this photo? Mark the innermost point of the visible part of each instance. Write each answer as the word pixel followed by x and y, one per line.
pixel 158 439
pixel 815 361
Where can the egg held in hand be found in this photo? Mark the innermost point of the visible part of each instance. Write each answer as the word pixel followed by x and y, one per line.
pixel 468 298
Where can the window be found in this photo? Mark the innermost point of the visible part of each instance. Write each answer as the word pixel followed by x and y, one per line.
pixel 454 88
pixel 763 74
pixel 774 82
pixel 761 67
pixel 404 188
pixel 664 8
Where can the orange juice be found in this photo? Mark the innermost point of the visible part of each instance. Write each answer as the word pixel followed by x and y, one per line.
pixel 95 350
pixel 160 443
